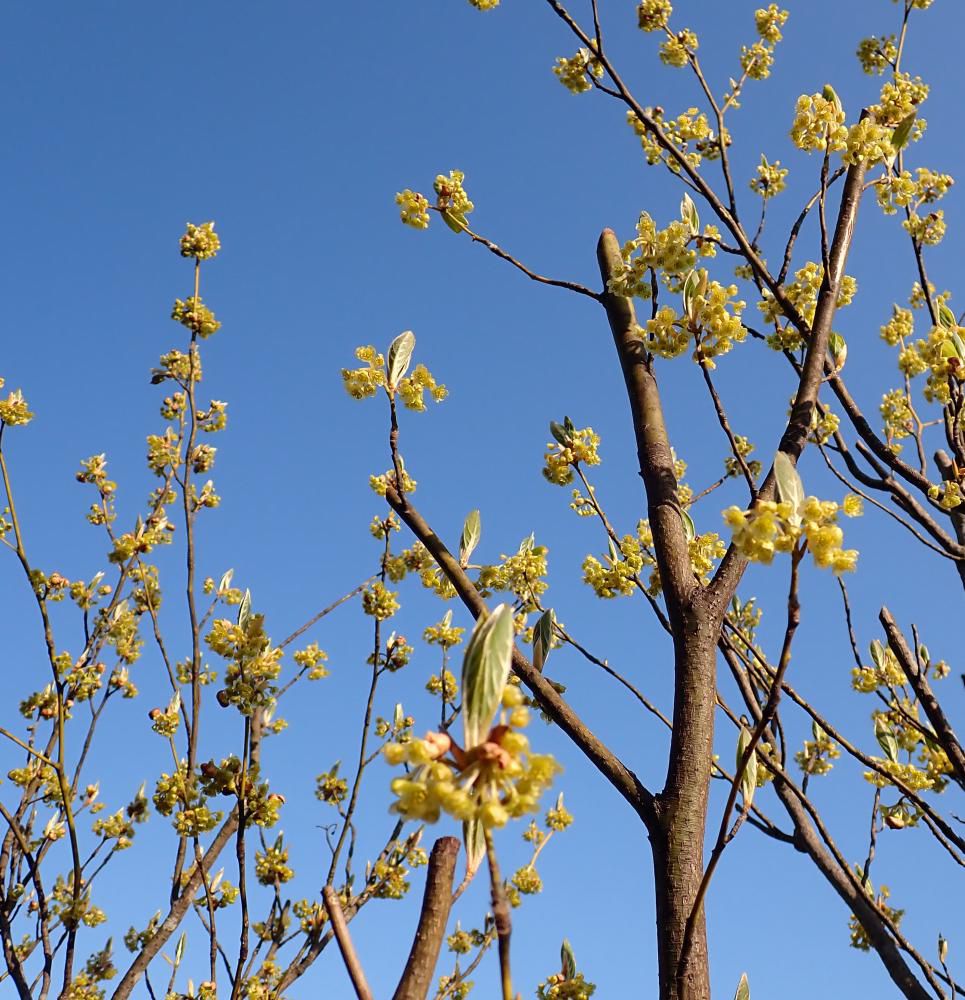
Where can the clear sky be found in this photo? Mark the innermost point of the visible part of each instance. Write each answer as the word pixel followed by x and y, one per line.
pixel 292 125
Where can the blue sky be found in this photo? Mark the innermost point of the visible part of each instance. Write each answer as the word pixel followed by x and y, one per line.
pixel 293 125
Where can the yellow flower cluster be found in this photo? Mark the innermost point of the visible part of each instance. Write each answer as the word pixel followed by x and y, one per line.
pixel 653 15
pixel 200 242
pixel 770 179
pixel 716 316
pixel 618 574
pixel 900 98
pixel 14 411
pixel 444 633
pixel 770 527
pixel 818 123
pixel 927 230
pixel 949 495
pixel 769 21
pixel 451 195
pixel 859 936
pixel 520 574
pixel 492 782
pixel 877 54
pixel 817 755
pixel 363 382
pixel 415 208
pixel 413 388
pixel 756 60
pixel 658 250
pixel 897 415
pixel 802 293
pixel 484 4
pixel 560 459
pixel 573 73
pixel 744 447
pixel 677 49
pixel 900 326
pixel 867 142
pixel 195 315
pixel 690 132
pixel 379 602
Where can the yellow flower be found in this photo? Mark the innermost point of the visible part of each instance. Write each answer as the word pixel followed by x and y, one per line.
pixel 200 242
pixel 415 208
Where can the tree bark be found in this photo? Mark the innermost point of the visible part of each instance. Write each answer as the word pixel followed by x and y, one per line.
pixel 678 841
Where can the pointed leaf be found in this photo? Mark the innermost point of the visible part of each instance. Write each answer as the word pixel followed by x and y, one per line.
pixel 568 960
pixel 456 221
pixel 244 611
pixel 946 317
pixel 690 529
pixel 886 739
pixel 902 132
pixel 688 214
pixel 839 350
pixel 790 489
pixel 543 638
pixel 400 354
pixel 749 777
pixel 485 670
pixel 559 433
pixel 743 989
pixel 471 533
pixel 877 654
pixel 225 581
pixel 474 838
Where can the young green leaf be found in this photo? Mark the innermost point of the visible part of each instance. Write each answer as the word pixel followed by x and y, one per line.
pixel 485 670
pixel 543 638
pixel 244 611
pixel 559 433
pixel 749 777
pixel 225 581
pixel 790 489
pixel 471 533
pixel 838 350
pixel 886 739
pixel 902 132
pixel 400 354
pixel 743 989
pixel 688 214
pixel 877 654
pixel 567 960
pixel 456 221
pixel 474 838
pixel 690 529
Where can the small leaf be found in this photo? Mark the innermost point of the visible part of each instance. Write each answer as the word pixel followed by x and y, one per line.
pixel 942 949
pixel 471 533
pixel 877 654
pixel 543 638
pixel 690 529
pixel 829 94
pixel 886 739
pixel 400 354
pixel 474 838
pixel 946 317
pixel 179 950
pixel 244 611
pixel 688 214
pixel 749 777
pixel 456 221
pixel 691 285
pixel 399 716
pixel 526 545
pixel 839 350
pixel 559 433
pixel 790 489
pixel 485 670
pixel 743 989
pixel 226 581
pixel 568 960
pixel 923 654
pixel 902 132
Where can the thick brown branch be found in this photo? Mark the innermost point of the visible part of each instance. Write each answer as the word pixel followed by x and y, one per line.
pixel 419 969
pixel 653 445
